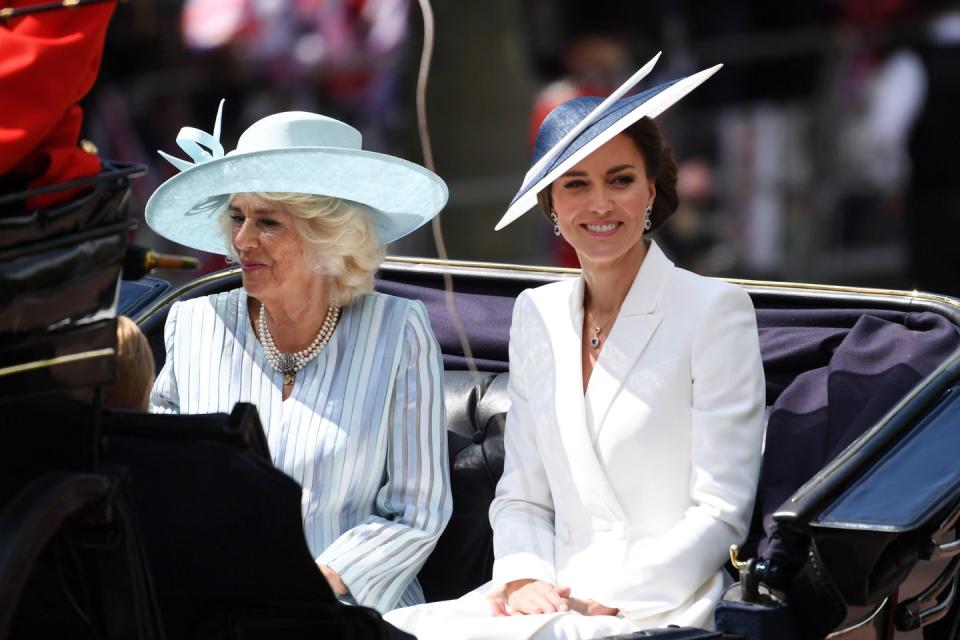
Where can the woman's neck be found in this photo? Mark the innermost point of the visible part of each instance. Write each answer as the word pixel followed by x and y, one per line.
pixel 608 282
pixel 294 321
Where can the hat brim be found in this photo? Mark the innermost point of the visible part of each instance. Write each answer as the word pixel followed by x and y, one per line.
pixel 526 198
pixel 402 195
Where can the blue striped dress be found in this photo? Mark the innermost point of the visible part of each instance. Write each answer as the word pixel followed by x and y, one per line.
pixel 362 432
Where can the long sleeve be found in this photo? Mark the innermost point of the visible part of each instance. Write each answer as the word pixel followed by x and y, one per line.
pixel 378 558
pixel 164 397
pixel 522 513
pixel 726 439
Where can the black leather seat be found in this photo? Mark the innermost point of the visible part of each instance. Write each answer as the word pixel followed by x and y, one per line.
pixel 476 408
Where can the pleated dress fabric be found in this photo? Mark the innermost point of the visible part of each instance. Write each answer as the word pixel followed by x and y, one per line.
pixel 362 431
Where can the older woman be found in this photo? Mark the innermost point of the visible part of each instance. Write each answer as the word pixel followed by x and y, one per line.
pixel 633 439
pixel 348 383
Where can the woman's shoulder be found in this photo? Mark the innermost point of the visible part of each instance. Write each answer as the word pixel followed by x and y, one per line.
pixel 213 300
pixel 225 305
pixel 388 310
pixel 388 319
pixel 384 303
pixel 704 290
pixel 548 295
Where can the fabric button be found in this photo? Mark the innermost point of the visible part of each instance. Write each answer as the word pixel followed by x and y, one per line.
pixel 563 533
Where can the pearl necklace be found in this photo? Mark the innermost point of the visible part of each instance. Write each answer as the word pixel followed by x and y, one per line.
pixel 290 363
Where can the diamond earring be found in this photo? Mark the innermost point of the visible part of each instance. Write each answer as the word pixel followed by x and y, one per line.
pixel 647 223
pixel 556 223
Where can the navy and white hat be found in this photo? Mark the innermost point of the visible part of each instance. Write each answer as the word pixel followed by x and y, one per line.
pixel 577 128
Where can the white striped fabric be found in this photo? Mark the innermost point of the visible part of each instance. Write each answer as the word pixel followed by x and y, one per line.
pixel 362 432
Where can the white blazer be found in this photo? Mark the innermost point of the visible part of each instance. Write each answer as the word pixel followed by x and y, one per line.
pixel 632 493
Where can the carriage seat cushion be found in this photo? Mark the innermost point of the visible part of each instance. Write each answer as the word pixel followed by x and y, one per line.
pixel 476 407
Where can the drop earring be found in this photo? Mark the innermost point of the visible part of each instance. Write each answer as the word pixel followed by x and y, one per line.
pixel 647 223
pixel 556 223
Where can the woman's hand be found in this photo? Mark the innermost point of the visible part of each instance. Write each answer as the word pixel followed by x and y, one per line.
pixel 590 607
pixel 522 597
pixel 333 579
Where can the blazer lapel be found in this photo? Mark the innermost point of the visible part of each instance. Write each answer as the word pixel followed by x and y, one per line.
pixel 631 332
pixel 565 337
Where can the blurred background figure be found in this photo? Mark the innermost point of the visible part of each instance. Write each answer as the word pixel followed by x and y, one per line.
pixel 594 64
pixel 310 53
pixel 691 235
pixel 871 92
pixel 933 199
pixel 135 369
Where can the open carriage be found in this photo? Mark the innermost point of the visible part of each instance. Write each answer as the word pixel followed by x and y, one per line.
pixel 116 524
pixel 128 525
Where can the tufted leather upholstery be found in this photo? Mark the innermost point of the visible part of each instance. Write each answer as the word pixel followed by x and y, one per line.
pixel 476 408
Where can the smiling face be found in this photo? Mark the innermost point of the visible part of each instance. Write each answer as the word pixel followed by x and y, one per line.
pixel 270 249
pixel 601 202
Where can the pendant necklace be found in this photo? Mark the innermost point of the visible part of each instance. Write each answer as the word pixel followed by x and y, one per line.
pixel 290 363
pixel 597 338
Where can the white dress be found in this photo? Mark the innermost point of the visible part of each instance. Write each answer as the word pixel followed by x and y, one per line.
pixel 632 493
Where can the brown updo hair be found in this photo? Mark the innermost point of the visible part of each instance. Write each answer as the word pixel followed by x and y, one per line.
pixel 659 164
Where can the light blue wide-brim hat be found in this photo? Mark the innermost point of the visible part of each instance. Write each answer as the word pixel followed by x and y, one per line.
pixel 289 152
pixel 578 127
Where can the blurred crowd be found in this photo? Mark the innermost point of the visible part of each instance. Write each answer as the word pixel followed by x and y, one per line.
pixel 168 64
pixel 819 154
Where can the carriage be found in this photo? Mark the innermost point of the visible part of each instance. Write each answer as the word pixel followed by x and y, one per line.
pixel 123 524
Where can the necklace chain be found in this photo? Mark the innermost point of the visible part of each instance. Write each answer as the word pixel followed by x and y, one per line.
pixel 290 363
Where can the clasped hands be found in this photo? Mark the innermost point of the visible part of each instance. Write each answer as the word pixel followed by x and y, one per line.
pixel 522 597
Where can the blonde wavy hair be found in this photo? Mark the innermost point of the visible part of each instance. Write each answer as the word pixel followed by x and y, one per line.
pixel 340 240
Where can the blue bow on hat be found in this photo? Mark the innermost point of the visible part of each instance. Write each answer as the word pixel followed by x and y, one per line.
pixel 192 142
